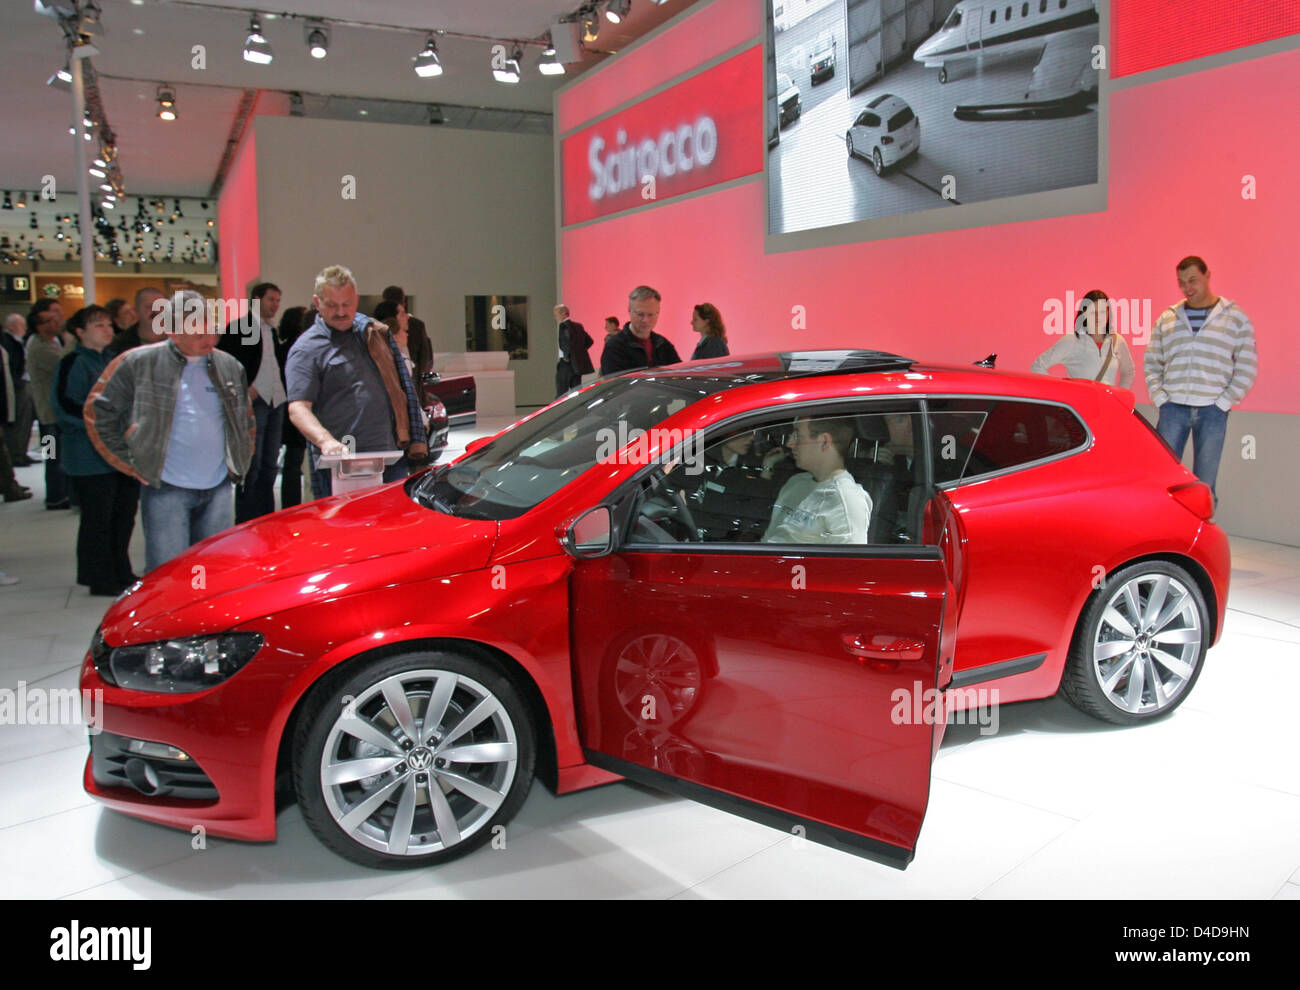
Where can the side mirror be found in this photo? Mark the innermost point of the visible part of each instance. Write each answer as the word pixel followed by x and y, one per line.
pixel 591 535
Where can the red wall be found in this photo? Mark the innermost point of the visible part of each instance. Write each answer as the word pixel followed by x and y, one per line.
pixel 237 225
pixel 1178 152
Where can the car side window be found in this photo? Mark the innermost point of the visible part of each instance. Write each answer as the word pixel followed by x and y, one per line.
pixel 973 437
pixel 837 476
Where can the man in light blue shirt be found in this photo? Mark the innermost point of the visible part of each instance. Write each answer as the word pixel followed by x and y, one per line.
pixel 176 415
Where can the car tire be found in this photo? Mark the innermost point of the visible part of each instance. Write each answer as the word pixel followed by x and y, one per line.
pixel 943 74
pixel 877 162
pixel 407 814
pixel 848 140
pixel 1155 609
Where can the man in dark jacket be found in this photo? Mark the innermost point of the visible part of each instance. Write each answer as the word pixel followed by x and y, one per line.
pixel 252 340
pixel 149 303
pixel 575 359
pixel 637 345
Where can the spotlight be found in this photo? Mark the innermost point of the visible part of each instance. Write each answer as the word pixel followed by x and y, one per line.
pixel 166 103
pixel 317 34
pixel 509 73
pixel 616 10
pixel 256 48
pixel 427 62
pixel 8 203
pixel 108 204
pixel 98 173
pixel 590 26
pixel 22 203
pixel 61 79
pixel 549 64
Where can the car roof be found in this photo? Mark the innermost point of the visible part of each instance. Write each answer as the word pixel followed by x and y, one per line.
pixel 884 99
pixel 884 372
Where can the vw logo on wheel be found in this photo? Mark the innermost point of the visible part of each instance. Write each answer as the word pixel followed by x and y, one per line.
pixel 420 759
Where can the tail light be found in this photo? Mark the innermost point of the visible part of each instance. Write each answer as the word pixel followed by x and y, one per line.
pixel 886 140
pixel 1195 497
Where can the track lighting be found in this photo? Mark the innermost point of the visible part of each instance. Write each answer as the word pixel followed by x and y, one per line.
pixel 256 48
pixel 317 34
pixel 166 103
pixel 590 26
pixel 427 62
pixel 509 73
pixel 61 79
pixel 549 64
pixel 616 10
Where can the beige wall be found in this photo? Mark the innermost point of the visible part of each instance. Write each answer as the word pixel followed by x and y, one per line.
pixel 443 213
pixel 1257 495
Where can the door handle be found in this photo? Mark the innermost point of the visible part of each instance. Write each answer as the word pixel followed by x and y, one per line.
pixel 883 646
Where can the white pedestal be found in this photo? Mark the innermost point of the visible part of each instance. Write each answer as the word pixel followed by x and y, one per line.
pixel 353 472
pixel 495 386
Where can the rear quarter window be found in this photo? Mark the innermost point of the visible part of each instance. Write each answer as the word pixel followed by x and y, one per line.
pixel 901 119
pixel 983 436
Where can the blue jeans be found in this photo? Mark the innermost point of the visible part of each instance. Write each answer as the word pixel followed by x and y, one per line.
pixel 1208 425
pixel 176 518
pixel 256 496
pixel 321 484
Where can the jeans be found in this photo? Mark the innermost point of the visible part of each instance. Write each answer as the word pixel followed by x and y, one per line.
pixel 1208 425
pixel 295 448
pixel 176 518
pixel 56 482
pixel 256 496
pixel 108 504
pixel 321 483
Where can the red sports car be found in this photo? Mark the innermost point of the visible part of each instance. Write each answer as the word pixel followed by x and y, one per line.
pixel 764 583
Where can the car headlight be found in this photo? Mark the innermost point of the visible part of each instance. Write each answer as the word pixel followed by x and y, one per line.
pixel 176 666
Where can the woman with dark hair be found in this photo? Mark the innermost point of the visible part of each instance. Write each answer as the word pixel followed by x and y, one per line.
pixel 707 322
pixel 108 498
pixel 1094 350
pixel 293 322
pixel 412 341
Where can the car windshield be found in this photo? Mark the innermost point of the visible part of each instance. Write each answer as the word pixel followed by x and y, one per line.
pixel 534 460
pixel 783 82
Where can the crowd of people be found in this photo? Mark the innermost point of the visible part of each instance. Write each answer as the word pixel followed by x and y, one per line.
pixel 152 405
pixel 138 408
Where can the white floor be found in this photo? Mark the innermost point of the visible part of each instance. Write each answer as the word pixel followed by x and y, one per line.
pixel 1055 805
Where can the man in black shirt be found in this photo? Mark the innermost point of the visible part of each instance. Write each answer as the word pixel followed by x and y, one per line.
pixel 574 359
pixel 637 345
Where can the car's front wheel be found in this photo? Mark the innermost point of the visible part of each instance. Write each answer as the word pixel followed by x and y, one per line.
pixel 848 140
pixel 413 759
pixel 1140 644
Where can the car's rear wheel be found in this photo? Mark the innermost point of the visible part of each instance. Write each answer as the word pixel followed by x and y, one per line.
pixel 848 140
pixel 413 760
pixel 943 74
pixel 1140 644
pixel 877 162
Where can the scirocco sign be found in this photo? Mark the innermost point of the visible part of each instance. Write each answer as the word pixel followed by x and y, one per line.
pixel 703 131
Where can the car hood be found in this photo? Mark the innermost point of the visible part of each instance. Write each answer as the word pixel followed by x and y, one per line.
pixel 325 549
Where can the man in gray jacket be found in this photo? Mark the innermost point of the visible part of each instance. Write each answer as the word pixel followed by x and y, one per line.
pixel 177 415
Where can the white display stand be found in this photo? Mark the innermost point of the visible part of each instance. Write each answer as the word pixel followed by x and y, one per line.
pixel 493 383
pixel 353 472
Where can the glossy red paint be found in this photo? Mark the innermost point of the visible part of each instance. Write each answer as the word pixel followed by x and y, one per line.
pixel 783 700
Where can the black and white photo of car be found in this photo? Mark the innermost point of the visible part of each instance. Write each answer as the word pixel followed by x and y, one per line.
pixel 788 99
pixel 885 132
pixel 821 61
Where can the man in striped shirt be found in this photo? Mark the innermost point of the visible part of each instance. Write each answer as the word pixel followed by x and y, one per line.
pixel 1200 363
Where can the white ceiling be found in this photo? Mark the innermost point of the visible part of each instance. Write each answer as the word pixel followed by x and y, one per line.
pixel 153 42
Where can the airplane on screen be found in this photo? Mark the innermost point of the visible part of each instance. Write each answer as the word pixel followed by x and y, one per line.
pixel 984 27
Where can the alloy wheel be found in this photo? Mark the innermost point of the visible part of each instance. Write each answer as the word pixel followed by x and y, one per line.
pixel 418 762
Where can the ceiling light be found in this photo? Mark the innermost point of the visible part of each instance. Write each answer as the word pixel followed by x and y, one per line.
pixel 509 73
pixel 108 204
pixel 8 203
pixel 98 173
pixel 427 62
pixel 106 186
pixel 549 64
pixel 166 103
pixel 590 26
pixel 616 10
pixel 318 38
pixel 256 48
pixel 22 203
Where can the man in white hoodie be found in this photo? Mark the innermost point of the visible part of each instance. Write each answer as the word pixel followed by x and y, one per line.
pixel 823 504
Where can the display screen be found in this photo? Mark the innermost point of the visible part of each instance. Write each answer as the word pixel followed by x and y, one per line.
pixel 898 108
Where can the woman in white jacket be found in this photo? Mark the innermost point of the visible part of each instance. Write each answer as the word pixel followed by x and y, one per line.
pixel 1092 350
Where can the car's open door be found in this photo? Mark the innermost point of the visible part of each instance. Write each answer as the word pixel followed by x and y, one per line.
pixel 793 686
